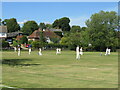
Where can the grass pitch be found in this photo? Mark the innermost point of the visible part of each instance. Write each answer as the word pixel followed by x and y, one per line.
pixel 59 71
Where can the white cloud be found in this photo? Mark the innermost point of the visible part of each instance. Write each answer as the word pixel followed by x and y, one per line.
pixel 81 20
pixel 78 21
pixel 47 22
pixel 22 22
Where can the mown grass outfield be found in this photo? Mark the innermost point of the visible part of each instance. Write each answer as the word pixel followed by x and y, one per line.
pixel 60 71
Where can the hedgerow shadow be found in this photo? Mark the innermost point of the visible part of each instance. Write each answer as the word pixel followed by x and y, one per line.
pixel 17 62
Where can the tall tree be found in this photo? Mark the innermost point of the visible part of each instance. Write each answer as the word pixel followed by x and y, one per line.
pixel 42 26
pixel 42 38
pixel 72 40
pixel 62 23
pixel 83 28
pixel 48 26
pixel 29 27
pixel 11 24
pixel 75 29
pixel 56 24
pixel 0 21
pixel 24 40
pixel 101 27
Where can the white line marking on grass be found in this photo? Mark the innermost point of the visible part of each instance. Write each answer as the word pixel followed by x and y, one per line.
pixel 10 87
pixel 93 68
pixel 6 86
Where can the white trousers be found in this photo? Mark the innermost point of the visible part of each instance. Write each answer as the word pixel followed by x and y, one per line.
pixel 40 53
pixel 29 51
pixel 77 56
pixel 18 53
pixel 81 53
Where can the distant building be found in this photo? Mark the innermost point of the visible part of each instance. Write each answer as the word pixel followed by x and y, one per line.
pixel 19 37
pixel 12 35
pixel 48 39
pixel 55 30
pixel 48 34
pixel 35 35
pixel 3 32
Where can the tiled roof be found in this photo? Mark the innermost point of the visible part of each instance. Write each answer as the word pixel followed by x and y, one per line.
pixel 35 34
pixel 19 37
pixel 50 34
pixel 46 33
pixel 13 34
pixel 60 30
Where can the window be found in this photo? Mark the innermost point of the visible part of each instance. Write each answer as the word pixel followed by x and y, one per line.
pixel 3 34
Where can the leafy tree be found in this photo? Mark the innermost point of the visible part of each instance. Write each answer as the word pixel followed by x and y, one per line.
pixel 38 44
pixel 24 40
pixel 62 23
pixel 42 38
pixel 59 33
pixel 0 21
pixel 48 26
pixel 72 40
pixel 56 24
pixel 30 41
pixel 83 28
pixel 11 24
pixel 84 38
pixel 42 26
pixel 15 43
pixel 101 28
pixel 64 41
pixel 35 44
pixel 5 44
pixel 75 29
pixel 55 39
pixel 29 27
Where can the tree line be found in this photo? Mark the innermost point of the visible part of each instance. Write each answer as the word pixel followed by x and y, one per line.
pixel 101 31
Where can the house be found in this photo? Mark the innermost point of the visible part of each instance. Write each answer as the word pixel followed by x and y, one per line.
pixel 12 35
pixel 48 34
pixel 35 36
pixel 3 32
pixel 55 30
pixel 19 37
pixel 8 36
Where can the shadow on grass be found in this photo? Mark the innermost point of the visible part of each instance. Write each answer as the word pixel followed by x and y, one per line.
pixel 17 62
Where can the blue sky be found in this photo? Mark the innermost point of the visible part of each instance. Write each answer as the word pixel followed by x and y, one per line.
pixel 47 12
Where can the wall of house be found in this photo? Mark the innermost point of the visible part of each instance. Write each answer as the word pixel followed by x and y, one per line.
pixel 3 35
pixel 31 39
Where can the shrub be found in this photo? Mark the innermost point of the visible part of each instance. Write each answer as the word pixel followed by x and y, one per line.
pixel 15 43
pixel 37 44
pixel 5 44
pixel 24 40
pixel 55 39
pixel 59 33
pixel 30 42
